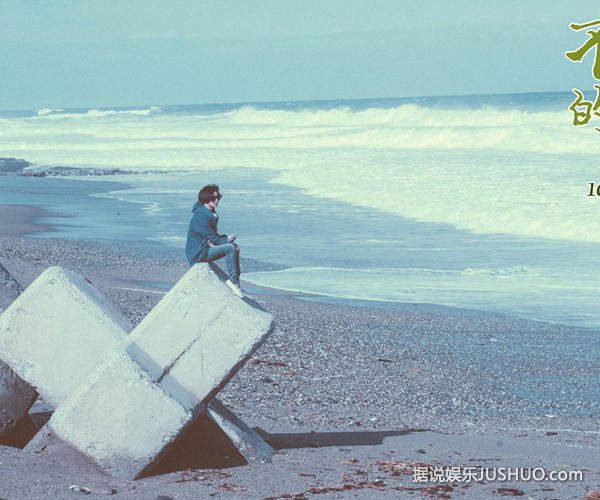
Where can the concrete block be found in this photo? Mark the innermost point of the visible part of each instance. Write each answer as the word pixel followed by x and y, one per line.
pixel 246 440
pixel 133 405
pixel 9 288
pixel 199 335
pixel 57 330
pixel 119 417
pixel 201 445
pixel 16 395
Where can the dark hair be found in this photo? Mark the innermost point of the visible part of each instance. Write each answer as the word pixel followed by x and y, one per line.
pixel 207 193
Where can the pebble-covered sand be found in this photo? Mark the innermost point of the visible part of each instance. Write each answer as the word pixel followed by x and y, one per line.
pixel 444 386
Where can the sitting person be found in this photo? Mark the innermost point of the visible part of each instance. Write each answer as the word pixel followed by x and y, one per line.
pixel 205 244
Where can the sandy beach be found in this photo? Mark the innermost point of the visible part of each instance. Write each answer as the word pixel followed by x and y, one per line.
pixel 20 219
pixel 352 397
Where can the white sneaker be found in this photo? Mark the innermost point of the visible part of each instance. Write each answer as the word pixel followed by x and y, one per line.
pixel 235 289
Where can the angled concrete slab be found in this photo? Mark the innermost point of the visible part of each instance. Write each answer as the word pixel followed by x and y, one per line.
pixel 118 417
pixel 16 395
pixel 199 335
pixel 131 408
pixel 203 444
pixel 248 442
pixel 57 330
pixel 10 288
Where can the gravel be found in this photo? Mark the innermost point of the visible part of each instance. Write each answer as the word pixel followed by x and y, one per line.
pixel 332 365
pixel 355 384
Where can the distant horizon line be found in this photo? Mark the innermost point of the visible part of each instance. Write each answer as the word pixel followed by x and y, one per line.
pixel 273 102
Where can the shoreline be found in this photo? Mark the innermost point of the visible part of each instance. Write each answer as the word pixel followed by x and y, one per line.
pixel 139 282
pixel 342 389
pixel 22 220
pixel 343 392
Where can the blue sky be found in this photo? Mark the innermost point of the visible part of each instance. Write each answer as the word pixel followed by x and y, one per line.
pixel 79 53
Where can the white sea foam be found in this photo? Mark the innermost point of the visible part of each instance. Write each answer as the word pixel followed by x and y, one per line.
pixel 178 241
pixel 406 285
pixel 484 170
pixel 59 114
pixel 536 293
pixel 47 111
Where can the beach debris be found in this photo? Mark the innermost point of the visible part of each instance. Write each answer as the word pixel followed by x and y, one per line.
pixel 204 475
pixel 377 485
pixel 171 366
pixel 258 361
pixel 510 492
pixel 398 467
pixel 16 395
pixel 232 487
pixel 439 491
pixel 80 489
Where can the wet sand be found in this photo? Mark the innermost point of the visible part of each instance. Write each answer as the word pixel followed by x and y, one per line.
pixel 19 220
pixel 353 398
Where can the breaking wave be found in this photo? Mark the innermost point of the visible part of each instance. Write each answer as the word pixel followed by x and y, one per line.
pixel 483 169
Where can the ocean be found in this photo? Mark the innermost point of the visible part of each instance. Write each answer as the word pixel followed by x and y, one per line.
pixel 477 202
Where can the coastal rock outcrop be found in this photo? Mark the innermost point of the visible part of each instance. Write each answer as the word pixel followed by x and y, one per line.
pixel 13 165
pixel 79 171
pixel 16 166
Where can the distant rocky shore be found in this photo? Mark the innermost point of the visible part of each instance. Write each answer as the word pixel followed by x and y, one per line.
pixel 13 165
pixel 16 166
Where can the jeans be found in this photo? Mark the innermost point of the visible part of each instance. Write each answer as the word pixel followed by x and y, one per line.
pixel 231 252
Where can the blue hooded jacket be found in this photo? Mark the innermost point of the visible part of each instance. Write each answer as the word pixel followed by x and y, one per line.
pixel 202 229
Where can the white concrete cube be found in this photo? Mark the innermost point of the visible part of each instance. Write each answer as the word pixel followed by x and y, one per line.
pixel 57 331
pixel 143 395
pixel 119 417
pixel 16 395
pixel 199 335
pixel 9 288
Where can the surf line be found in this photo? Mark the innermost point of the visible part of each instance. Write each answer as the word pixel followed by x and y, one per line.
pixel 145 290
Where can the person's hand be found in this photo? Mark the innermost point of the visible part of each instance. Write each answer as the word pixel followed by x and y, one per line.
pixel 231 238
pixel 211 244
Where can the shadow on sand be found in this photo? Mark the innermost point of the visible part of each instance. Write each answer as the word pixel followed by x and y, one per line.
pixel 205 446
pixel 325 439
